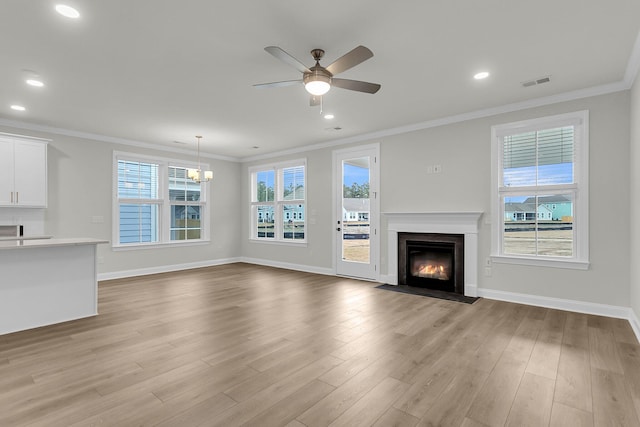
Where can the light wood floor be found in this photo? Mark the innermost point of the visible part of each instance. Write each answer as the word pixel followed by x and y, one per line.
pixel 248 345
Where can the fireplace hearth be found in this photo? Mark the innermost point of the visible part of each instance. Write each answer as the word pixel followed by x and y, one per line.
pixel 431 260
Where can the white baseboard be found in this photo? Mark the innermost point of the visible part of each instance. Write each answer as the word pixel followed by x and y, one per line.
pixel 165 269
pixel 557 303
pixel 535 300
pixel 289 266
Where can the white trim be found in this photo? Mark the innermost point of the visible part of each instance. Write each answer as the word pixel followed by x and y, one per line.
pixel 580 121
pixel 288 266
pixel 15 135
pixel 436 222
pixel 473 115
pixel 165 269
pixel 109 139
pixel 278 203
pixel 159 245
pixel 605 89
pixel 570 263
pixel 374 206
pixel 289 242
pixel 566 305
pixel 164 203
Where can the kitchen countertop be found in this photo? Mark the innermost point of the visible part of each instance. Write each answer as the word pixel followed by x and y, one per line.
pixel 29 243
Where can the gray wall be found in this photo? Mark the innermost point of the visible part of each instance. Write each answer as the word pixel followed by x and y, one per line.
pixel 464 151
pixel 80 187
pixel 635 197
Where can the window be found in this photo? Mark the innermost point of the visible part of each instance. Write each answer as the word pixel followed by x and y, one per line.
pixel 278 194
pixel 540 191
pixel 156 203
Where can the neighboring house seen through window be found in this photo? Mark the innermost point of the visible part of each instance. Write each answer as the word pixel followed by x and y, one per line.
pixel 278 195
pixel 156 203
pixel 540 191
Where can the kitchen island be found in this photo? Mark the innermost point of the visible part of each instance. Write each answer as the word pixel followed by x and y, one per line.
pixel 47 281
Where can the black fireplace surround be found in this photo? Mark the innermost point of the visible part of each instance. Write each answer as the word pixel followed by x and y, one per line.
pixel 431 260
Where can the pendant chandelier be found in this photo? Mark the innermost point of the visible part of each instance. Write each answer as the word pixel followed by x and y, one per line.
pixel 198 175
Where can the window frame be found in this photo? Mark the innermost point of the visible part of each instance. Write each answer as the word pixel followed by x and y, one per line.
pixel 579 189
pixel 278 203
pixel 163 201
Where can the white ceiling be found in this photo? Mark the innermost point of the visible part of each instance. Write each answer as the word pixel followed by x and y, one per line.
pixel 160 71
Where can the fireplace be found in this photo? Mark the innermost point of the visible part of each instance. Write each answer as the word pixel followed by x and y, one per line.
pixel 461 223
pixel 431 260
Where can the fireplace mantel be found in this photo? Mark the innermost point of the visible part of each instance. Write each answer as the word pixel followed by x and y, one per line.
pixel 435 222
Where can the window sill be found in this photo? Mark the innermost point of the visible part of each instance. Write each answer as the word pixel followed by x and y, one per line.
pixel 302 243
pixel 156 245
pixel 572 264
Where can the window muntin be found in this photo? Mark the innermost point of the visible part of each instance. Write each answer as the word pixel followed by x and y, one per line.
pixel 278 196
pixel 541 206
pixel 186 205
pixel 156 203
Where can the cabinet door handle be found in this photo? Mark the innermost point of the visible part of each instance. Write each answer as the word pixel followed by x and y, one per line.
pixel 12 197
pixel 17 202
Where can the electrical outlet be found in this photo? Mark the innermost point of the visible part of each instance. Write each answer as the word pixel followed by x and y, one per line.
pixel 487 271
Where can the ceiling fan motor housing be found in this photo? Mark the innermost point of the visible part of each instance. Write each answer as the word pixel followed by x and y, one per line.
pixel 317 74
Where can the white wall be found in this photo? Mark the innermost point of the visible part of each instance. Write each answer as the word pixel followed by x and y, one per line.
pixel 80 187
pixel 464 151
pixel 635 198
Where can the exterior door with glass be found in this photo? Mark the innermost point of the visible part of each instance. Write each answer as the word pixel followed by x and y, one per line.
pixel 357 214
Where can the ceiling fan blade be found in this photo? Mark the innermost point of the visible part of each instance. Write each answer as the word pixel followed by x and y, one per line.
pixel 356 85
pixel 315 100
pixel 278 84
pixel 285 57
pixel 349 60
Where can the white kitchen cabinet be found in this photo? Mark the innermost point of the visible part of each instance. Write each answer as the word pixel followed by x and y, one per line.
pixel 23 172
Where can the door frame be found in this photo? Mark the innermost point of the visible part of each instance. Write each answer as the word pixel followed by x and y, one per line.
pixel 374 215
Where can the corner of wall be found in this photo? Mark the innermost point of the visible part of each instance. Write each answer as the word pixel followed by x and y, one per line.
pixel 634 151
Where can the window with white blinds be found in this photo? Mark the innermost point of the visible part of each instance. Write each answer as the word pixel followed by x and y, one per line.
pixel 278 194
pixel 156 203
pixel 540 198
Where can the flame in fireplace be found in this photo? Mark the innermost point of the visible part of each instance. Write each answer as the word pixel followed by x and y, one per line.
pixel 432 271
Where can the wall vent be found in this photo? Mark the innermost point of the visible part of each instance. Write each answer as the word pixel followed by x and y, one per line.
pixel 538 81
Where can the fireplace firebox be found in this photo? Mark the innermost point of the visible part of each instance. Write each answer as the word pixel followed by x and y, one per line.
pixel 431 260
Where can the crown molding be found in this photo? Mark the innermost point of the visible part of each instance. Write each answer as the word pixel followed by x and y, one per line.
pixel 478 114
pixel 109 139
pixel 631 72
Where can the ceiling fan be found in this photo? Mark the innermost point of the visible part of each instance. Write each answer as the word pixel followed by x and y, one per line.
pixel 318 80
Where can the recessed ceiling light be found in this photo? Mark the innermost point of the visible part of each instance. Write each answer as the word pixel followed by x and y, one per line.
pixel 481 75
pixel 18 108
pixel 67 11
pixel 329 116
pixel 35 82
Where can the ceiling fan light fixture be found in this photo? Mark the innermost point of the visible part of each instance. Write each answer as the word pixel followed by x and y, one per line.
pixel 317 87
pixel 317 84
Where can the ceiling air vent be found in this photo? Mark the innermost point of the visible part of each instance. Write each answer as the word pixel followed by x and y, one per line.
pixel 538 81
